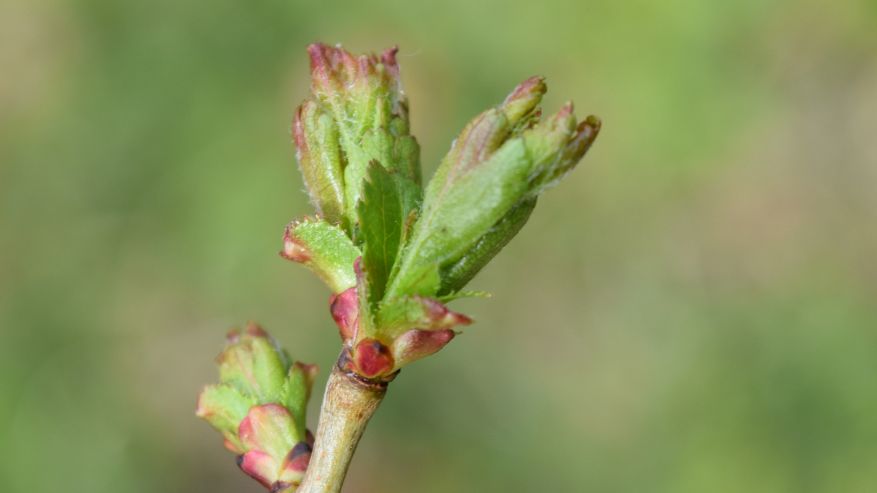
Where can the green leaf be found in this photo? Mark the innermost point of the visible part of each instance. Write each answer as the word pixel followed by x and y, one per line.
pixel 297 391
pixel 576 147
pixel 457 213
pixel 456 275
pixel 224 406
pixel 387 199
pixel 252 364
pixel 325 249
pixel 320 159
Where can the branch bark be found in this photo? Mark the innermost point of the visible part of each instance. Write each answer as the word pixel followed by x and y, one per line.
pixel 348 405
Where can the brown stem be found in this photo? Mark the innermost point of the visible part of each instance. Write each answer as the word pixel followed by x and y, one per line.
pixel 348 404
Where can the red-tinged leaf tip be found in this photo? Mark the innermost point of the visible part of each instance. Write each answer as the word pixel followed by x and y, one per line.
pixel 372 359
pixel 523 100
pixel 593 124
pixel 440 315
pixel 585 134
pixel 530 86
pixel 388 59
pixel 310 370
pixel 365 68
pixel 565 112
pixel 345 311
pixel 255 330
pixel 233 336
pixel 321 60
pixel 481 137
pixel 418 343
pixel 259 466
pixel 293 249
pixel 298 130
pixel 346 63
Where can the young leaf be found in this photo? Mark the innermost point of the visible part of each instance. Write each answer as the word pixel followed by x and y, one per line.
pixel 252 364
pixel 325 249
pixel 365 98
pixel 320 159
pixel 382 215
pixel 456 215
pixel 387 211
pixel 456 275
pixel 224 406
pixel 297 391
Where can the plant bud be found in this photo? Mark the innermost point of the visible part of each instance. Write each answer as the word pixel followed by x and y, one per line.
pixel 358 114
pixel 259 408
pixel 485 188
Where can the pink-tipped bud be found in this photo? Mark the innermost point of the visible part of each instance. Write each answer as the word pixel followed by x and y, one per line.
pixel 417 343
pixel 524 99
pixel 259 407
pixel 293 248
pixel 345 311
pixel 439 315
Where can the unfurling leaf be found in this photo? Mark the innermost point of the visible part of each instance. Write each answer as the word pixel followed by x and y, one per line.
pixel 363 94
pixel 325 249
pixel 456 275
pixel 485 188
pixel 320 159
pixel 382 211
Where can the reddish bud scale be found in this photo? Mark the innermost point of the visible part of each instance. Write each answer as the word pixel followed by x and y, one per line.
pixel 293 249
pixel 259 466
pixel 439 314
pixel 372 359
pixel 417 343
pixel 345 311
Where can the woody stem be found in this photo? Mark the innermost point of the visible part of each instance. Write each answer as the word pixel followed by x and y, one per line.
pixel 348 404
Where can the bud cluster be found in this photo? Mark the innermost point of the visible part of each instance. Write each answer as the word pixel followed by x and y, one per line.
pixel 393 252
pixel 259 408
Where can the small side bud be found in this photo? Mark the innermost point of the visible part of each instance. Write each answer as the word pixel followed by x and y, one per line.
pixel 372 359
pixel 259 407
pixel 345 311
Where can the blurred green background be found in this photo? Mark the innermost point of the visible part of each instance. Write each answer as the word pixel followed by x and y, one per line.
pixel 693 310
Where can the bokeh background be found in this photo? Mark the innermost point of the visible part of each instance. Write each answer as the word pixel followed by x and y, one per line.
pixel 693 310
